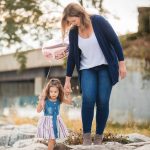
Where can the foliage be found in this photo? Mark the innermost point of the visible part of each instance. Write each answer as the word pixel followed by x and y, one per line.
pixel 75 138
pixel 22 59
pixel 16 14
pixel 136 45
pixel 24 17
pixel 20 17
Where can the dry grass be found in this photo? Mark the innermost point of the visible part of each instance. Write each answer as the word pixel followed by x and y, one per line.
pixel 76 125
pixel 130 127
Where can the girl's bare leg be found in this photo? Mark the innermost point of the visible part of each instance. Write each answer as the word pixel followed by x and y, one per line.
pixel 51 144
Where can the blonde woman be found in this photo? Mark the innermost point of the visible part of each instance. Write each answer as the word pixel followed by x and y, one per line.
pixel 96 52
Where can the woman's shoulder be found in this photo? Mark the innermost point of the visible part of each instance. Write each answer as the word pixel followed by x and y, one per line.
pixel 100 21
pixel 73 30
pixel 97 17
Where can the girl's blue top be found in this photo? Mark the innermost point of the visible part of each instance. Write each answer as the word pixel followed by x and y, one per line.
pixel 52 109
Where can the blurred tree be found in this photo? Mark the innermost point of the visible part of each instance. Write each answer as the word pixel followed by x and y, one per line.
pixel 98 5
pixel 14 15
pixel 95 3
pixel 25 17
pixel 19 17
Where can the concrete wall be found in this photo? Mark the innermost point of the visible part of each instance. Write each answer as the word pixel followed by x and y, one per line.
pixel 35 59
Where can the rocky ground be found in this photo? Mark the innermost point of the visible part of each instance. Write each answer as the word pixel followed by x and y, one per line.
pixel 22 137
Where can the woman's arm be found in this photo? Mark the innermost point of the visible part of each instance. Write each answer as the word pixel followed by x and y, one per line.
pixel 110 35
pixel 70 60
pixel 114 40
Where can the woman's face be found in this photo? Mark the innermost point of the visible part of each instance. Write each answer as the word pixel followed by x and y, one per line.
pixel 74 21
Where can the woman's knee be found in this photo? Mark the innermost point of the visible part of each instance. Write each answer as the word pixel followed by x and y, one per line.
pixel 102 104
pixel 88 100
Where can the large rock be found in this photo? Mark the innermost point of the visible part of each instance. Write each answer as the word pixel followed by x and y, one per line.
pixel 135 137
pixel 4 137
pixel 22 132
pixel 34 146
pixel 107 146
pixel 23 138
pixel 2 148
pixel 145 147
pixel 23 143
pixel 10 134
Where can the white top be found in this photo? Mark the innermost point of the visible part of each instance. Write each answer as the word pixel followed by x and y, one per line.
pixel 91 53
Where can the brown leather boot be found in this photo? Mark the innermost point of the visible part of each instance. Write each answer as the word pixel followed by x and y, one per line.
pixel 98 139
pixel 87 139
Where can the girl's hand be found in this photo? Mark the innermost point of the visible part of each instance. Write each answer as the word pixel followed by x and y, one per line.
pixel 68 99
pixel 42 103
pixel 122 70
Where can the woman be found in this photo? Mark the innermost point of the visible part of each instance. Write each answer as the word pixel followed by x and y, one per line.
pixel 96 52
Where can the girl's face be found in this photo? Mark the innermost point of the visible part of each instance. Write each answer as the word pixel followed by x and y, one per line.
pixel 74 21
pixel 53 92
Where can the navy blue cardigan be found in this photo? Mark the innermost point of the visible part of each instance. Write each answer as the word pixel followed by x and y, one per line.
pixel 108 42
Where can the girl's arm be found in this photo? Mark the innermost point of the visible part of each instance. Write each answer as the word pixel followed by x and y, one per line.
pixel 67 99
pixel 40 105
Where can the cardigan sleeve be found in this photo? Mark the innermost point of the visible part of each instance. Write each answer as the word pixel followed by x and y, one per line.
pixel 111 36
pixel 70 60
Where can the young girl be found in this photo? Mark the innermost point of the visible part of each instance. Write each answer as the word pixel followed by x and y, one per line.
pixel 51 126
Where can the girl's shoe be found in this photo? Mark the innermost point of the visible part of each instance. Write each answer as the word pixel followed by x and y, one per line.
pixel 98 139
pixel 87 139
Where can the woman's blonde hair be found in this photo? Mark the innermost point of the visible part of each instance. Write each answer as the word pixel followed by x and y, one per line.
pixel 74 10
pixel 53 83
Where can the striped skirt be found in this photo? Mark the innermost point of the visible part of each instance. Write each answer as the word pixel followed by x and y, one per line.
pixel 45 128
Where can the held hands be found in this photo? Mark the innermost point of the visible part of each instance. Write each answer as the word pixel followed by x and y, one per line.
pixel 67 88
pixel 67 91
pixel 68 99
pixel 122 70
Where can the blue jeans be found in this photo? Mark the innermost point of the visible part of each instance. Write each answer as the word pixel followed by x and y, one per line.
pixel 96 88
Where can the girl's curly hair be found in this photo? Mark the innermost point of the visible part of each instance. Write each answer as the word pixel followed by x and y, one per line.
pixel 54 82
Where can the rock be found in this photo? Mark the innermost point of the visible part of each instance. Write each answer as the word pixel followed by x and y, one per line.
pixel 23 143
pixel 28 129
pixel 10 134
pixel 145 147
pixel 2 148
pixel 60 146
pixel 8 127
pixel 22 132
pixel 34 146
pixel 107 146
pixel 135 137
pixel 4 137
pixel 137 144
pixel 23 138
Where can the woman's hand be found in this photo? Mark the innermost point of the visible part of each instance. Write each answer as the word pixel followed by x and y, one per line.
pixel 67 86
pixel 122 70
